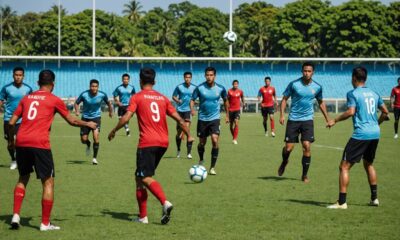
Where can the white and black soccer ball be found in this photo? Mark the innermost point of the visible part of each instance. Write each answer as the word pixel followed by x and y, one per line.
pixel 230 37
pixel 197 173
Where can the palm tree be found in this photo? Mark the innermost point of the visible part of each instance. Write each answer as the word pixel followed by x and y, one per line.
pixel 165 36
pixel 133 11
pixel 260 38
pixel 132 48
pixel 54 9
pixel 7 24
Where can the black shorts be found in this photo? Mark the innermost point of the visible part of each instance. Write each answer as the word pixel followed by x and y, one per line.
pixel 234 115
pixel 122 110
pixel 357 149
pixel 187 116
pixel 86 130
pixel 267 110
pixel 38 158
pixel 147 160
pixel 295 128
pixel 6 128
pixel 206 128
pixel 396 112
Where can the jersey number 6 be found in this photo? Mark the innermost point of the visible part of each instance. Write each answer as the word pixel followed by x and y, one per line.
pixel 32 112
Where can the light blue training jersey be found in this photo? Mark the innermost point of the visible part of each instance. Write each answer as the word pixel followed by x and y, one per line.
pixel 184 93
pixel 12 95
pixel 365 120
pixel 209 107
pixel 302 99
pixel 92 104
pixel 124 93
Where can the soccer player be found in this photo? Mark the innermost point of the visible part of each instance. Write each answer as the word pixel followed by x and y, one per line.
pixel 362 104
pixel 303 91
pixel 181 96
pixel 92 100
pixel 235 98
pixel 12 94
pixel 267 93
pixel 33 145
pixel 209 93
pixel 395 104
pixel 151 108
pixel 122 94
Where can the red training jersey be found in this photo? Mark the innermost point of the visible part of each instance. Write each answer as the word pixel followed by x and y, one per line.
pixel 267 94
pixel 37 111
pixel 151 108
pixel 396 95
pixel 234 97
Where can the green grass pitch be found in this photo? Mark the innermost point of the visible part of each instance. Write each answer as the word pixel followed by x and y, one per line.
pixel 246 200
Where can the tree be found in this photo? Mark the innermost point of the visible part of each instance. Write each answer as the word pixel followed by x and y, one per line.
pixel 394 22
pixel 180 10
pixel 8 21
pixel 133 11
pixel 54 10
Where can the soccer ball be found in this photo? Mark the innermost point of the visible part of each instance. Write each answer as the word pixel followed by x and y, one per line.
pixel 230 37
pixel 197 173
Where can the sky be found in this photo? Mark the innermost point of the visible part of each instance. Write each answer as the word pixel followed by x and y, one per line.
pixel 116 6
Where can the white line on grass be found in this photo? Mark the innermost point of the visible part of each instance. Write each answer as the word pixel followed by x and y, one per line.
pixel 330 147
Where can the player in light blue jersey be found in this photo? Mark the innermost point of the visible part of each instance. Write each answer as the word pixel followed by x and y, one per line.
pixel 209 93
pixel 182 96
pixel 92 100
pixel 10 96
pixel 122 94
pixel 303 91
pixel 362 106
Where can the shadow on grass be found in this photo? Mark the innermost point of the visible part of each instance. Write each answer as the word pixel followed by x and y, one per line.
pixel 76 162
pixel 24 222
pixel 117 215
pixel 308 202
pixel 170 157
pixel 277 178
pixel 4 166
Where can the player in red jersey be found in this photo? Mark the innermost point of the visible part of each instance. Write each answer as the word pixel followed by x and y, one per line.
pixel 151 109
pixel 33 145
pixel 395 104
pixel 267 93
pixel 235 98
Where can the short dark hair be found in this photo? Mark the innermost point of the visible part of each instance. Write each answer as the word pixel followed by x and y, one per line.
pixel 187 73
pixel 360 74
pixel 16 69
pixel 235 81
pixel 147 75
pixel 211 69
pixel 308 64
pixel 126 75
pixel 94 81
pixel 267 78
pixel 46 77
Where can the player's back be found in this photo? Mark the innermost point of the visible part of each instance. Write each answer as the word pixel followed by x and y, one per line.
pixel 365 119
pixel 152 108
pixel 37 112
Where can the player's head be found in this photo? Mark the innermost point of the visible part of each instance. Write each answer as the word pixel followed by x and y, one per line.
pixel 308 70
pixel 125 79
pixel 359 76
pixel 267 81
pixel 46 79
pixel 94 86
pixel 147 77
pixel 235 84
pixel 18 75
pixel 210 74
pixel 187 76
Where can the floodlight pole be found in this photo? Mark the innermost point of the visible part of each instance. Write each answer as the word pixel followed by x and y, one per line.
pixel 230 29
pixel 94 29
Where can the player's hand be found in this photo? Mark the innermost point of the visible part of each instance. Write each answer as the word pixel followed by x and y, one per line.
pixel 226 119
pixel 92 125
pixel 193 112
pixel 110 114
pixel 331 123
pixel 76 113
pixel 282 120
pixel 191 139
pixel 111 135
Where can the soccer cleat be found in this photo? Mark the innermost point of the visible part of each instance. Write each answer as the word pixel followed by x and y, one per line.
pixel 189 156
pixel 143 220
pixel 128 133
pixel 305 179
pixel 201 162
pixel 166 212
pixel 234 141
pixel 374 203
pixel 87 150
pixel 49 227
pixel 337 206
pixel 94 161
pixel 281 169
pixel 272 134
pixel 212 171
pixel 396 136
pixel 266 133
pixel 178 154
pixel 13 165
pixel 15 221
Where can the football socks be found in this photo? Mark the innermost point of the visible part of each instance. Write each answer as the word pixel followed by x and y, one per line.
pixel 214 156
pixel 305 161
pixel 19 194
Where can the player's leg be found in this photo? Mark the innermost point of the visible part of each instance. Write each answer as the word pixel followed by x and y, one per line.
pixel 85 138
pixel 189 145
pixel 286 150
pixel 178 140
pixel 96 145
pixel 344 179
pixel 141 197
pixel 291 137
pixel 369 157
pixel 235 130
pixel 10 145
pixel 201 149
pixel 202 133
pixel 264 114
pixel 121 112
pixel 19 195
pixel 396 121
pixel 307 137
pixel 214 152
pixel 47 204
pixel 272 122
pixel 231 123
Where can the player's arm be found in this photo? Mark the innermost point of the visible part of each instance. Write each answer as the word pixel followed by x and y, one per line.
pixel 275 100
pixel 11 130
pixel 117 102
pixel 183 126
pixel 1 103
pixel 192 107
pixel 322 106
pixel 176 99
pixel 226 106
pixel 76 107
pixel 122 121
pixel 282 109
pixel 349 113
pixel 110 109
pixel 78 123
pixel 392 99
pixel 384 113
pixel 243 103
